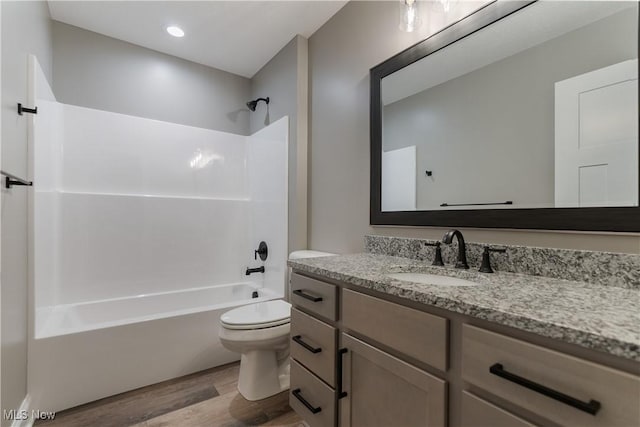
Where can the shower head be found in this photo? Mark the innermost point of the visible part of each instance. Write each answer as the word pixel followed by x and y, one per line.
pixel 252 104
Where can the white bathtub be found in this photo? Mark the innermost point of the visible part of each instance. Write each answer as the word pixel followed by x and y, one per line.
pixel 86 316
pixel 90 350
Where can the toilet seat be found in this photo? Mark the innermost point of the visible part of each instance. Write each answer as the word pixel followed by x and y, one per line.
pixel 260 315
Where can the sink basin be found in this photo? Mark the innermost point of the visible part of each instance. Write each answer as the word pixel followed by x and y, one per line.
pixel 431 279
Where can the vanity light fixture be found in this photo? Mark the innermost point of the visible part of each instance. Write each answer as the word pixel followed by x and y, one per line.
pixel 175 31
pixel 409 17
pixel 446 5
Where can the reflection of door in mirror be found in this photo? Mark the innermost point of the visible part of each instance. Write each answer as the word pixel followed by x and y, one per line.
pixel 399 186
pixel 596 138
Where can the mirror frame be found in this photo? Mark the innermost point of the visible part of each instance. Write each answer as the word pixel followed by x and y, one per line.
pixel 609 219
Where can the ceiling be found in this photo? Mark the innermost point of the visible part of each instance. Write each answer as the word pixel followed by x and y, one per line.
pixel 236 36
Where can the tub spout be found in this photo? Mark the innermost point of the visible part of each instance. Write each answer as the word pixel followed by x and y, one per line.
pixel 254 270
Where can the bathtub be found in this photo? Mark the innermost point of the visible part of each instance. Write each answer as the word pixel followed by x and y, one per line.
pixel 90 350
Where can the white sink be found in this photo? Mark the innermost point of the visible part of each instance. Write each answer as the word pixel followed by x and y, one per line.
pixel 431 279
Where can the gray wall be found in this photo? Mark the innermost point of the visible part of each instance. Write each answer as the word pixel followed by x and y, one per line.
pixel 284 79
pixel 26 29
pixel 479 122
pixel 359 36
pixel 96 71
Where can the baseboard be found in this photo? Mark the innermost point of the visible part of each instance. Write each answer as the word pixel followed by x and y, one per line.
pixel 24 418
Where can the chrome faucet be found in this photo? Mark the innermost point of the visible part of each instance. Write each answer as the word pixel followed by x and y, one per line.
pixel 462 248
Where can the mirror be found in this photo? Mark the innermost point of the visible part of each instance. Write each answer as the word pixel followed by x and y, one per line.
pixel 519 107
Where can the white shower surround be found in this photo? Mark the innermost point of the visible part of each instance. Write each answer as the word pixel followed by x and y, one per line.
pixel 141 233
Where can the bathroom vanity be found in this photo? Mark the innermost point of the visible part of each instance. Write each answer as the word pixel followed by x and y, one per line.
pixel 486 124
pixel 513 350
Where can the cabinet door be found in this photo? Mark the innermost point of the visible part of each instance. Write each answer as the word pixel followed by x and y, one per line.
pixel 382 390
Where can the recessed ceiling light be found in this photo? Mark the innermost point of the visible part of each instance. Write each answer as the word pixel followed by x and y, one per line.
pixel 175 31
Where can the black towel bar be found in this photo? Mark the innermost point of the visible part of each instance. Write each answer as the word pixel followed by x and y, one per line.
pixel 508 202
pixel 22 109
pixel 11 180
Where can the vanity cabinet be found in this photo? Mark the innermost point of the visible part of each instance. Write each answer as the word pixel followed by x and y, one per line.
pixel 333 369
pixel 361 360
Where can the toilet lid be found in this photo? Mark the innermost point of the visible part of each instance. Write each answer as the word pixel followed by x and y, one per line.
pixel 259 315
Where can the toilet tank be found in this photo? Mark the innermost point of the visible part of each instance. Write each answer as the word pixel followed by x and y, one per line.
pixel 308 254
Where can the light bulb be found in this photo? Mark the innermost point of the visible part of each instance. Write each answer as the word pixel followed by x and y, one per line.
pixel 409 17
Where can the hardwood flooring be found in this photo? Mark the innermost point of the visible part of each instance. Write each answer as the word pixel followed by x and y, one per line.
pixel 204 399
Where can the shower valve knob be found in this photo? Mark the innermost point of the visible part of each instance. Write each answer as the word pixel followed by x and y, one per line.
pixel 262 250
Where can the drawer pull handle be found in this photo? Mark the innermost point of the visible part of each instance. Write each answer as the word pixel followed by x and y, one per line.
pixel 298 339
pixel 341 353
pixel 301 293
pixel 592 407
pixel 297 394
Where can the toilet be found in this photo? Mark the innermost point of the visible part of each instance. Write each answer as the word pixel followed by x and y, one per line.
pixel 260 333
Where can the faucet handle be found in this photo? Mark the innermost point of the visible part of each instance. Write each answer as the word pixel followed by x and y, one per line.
pixel 486 258
pixel 262 250
pixel 437 260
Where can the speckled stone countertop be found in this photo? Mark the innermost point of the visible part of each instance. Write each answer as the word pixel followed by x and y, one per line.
pixel 597 317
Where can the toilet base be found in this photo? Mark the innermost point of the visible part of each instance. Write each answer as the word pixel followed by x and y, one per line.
pixel 263 373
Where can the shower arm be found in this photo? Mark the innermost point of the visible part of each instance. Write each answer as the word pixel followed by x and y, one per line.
pixel 253 104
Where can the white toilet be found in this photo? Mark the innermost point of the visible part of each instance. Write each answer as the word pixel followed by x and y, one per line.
pixel 260 333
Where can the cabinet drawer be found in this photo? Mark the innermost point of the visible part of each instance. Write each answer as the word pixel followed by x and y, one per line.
pixel 314 295
pixel 313 344
pixel 517 367
pixel 417 334
pixel 480 413
pixel 313 400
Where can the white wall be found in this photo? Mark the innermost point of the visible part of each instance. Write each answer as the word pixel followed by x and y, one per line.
pixel 116 246
pixel 285 80
pixel 95 71
pixel 46 136
pixel 26 29
pixel 120 154
pixel 127 206
pixel 139 206
pixel 268 177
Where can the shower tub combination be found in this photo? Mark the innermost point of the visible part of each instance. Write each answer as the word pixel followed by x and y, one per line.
pixel 90 350
pixel 135 255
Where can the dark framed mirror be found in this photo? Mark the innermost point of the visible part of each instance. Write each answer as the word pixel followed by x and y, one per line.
pixel 522 115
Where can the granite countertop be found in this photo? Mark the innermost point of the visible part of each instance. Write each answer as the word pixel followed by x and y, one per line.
pixel 597 317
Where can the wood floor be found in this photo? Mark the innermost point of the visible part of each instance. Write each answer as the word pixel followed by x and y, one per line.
pixel 205 399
